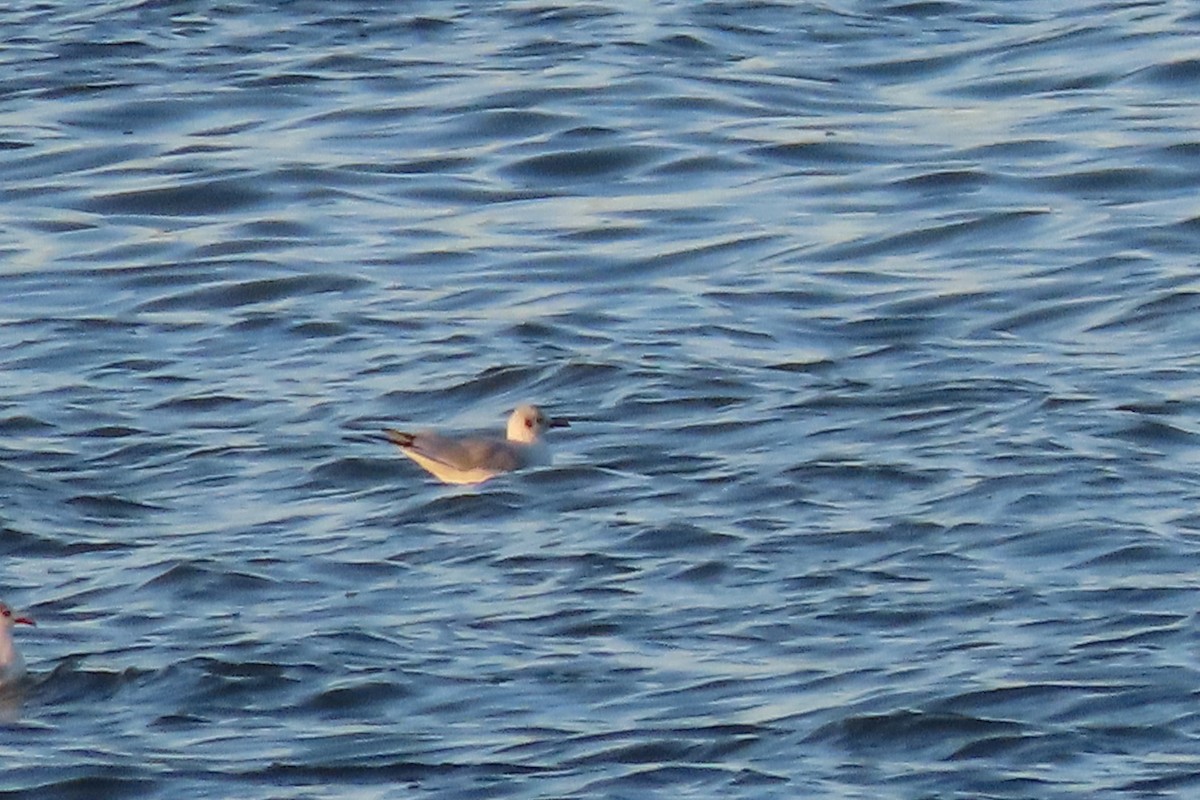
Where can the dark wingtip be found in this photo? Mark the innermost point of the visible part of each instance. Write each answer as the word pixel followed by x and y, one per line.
pixel 399 438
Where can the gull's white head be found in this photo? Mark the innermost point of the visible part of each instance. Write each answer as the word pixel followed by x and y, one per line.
pixel 12 666
pixel 8 619
pixel 528 422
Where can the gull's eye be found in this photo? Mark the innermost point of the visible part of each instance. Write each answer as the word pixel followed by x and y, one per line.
pixel 7 612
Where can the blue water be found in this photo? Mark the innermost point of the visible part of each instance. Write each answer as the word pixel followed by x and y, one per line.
pixel 874 322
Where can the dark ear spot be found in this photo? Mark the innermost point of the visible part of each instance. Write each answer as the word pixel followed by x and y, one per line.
pixel 528 422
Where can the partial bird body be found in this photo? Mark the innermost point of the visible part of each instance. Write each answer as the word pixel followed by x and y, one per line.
pixel 12 664
pixel 472 460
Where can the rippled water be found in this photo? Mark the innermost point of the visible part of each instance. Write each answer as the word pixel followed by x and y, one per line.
pixel 873 321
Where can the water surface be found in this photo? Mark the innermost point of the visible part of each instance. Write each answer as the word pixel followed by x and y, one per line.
pixel 874 322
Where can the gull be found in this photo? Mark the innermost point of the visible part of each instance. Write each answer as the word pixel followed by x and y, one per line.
pixel 12 665
pixel 454 460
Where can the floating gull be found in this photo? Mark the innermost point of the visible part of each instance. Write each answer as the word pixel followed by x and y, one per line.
pixel 12 665
pixel 454 460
